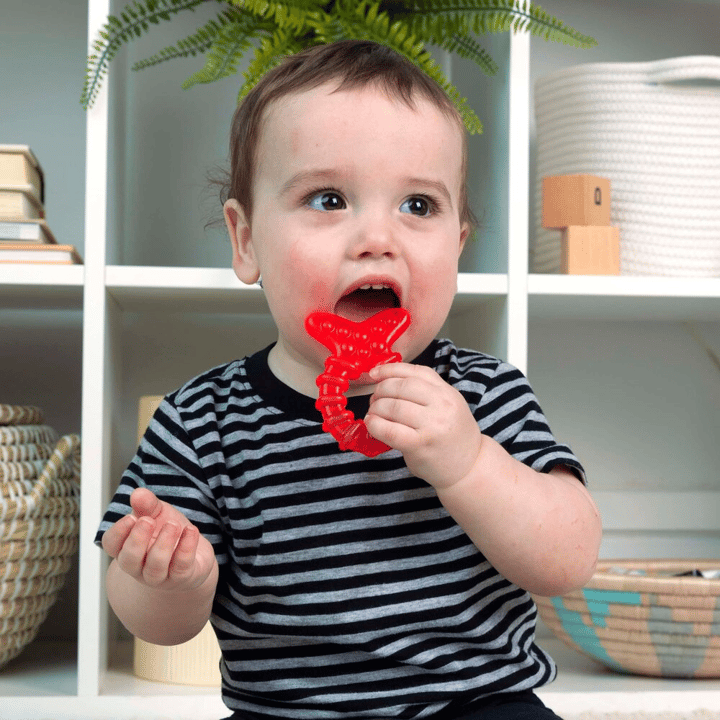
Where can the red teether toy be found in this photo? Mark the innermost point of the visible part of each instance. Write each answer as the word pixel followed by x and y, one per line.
pixel 355 348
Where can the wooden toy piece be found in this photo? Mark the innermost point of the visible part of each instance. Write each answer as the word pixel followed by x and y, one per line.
pixel 355 348
pixel 591 250
pixel 575 200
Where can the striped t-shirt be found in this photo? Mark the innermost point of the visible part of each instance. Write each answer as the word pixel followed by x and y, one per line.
pixel 346 589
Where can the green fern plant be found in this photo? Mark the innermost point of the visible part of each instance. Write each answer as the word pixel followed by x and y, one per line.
pixel 273 29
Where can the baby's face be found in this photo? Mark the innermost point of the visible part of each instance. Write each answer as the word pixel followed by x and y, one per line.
pixel 354 191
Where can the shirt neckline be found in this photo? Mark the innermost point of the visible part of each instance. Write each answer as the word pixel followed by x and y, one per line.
pixel 276 393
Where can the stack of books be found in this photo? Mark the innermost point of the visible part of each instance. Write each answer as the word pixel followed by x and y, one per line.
pixel 24 233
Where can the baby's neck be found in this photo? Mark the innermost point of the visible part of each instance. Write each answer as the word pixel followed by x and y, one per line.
pixel 303 379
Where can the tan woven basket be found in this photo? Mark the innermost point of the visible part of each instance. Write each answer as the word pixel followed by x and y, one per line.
pixel 39 518
pixel 642 617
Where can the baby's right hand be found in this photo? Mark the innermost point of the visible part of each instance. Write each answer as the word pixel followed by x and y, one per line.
pixel 158 546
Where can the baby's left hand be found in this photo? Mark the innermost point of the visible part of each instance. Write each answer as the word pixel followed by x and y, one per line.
pixel 415 411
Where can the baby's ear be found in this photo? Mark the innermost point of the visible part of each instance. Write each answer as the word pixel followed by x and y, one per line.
pixel 465 233
pixel 244 260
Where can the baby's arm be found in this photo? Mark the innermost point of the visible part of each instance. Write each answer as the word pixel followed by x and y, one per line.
pixel 162 579
pixel 541 531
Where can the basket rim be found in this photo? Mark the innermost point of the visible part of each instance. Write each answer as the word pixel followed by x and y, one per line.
pixel 605 578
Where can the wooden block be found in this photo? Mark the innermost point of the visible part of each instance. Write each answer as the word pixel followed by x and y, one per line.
pixel 591 250
pixel 147 406
pixel 575 200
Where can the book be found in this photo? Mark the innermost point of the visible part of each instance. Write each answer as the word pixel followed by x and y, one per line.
pixel 39 253
pixel 20 168
pixel 36 231
pixel 19 204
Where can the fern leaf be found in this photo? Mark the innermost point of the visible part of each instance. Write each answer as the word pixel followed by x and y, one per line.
pixel 365 22
pixel 227 49
pixel 466 47
pixel 434 20
pixel 116 32
pixel 288 15
pixel 269 54
pixel 197 43
pixel 469 116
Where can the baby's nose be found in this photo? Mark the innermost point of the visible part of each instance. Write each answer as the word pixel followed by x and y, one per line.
pixel 376 238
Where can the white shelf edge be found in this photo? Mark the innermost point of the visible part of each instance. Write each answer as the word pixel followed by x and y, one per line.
pixel 518 184
pixel 170 289
pixel 587 297
pixel 143 276
pixel 44 287
pixel 185 707
pixel 42 274
pixel 482 284
pixel 623 286
pixel 143 288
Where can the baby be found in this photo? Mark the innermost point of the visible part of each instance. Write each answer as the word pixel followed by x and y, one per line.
pixel 342 586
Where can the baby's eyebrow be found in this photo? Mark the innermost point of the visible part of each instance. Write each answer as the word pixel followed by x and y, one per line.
pixel 437 185
pixel 305 177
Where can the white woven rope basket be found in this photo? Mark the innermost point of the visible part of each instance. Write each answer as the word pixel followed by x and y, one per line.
pixel 39 517
pixel 653 129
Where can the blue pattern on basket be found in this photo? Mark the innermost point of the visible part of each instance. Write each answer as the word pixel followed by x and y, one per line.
pixel 585 636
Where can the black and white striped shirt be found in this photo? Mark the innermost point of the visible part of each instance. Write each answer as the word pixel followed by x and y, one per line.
pixel 346 590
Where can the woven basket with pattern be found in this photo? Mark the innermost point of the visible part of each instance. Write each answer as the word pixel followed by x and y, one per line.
pixel 643 617
pixel 39 520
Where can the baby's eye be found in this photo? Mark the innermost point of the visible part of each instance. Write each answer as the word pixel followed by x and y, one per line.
pixel 326 201
pixel 418 205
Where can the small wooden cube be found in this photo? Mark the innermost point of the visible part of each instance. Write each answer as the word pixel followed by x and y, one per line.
pixel 575 200
pixel 591 250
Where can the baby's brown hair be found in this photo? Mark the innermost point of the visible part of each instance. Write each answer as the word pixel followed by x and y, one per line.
pixel 353 64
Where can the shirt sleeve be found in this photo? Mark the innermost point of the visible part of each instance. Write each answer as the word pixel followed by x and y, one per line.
pixel 509 412
pixel 167 464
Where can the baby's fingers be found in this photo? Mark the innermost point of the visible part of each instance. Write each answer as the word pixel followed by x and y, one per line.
pixel 131 557
pixel 395 434
pixel 114 537
pixel 158 559
pixel 182 564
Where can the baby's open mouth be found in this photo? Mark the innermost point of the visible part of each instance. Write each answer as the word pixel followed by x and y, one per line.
pixel 366 301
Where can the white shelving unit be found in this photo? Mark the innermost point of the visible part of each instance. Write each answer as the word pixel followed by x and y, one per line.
pixel 600 352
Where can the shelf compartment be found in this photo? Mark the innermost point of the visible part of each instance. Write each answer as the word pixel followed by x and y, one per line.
pixel 44 669
pixel 623 297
